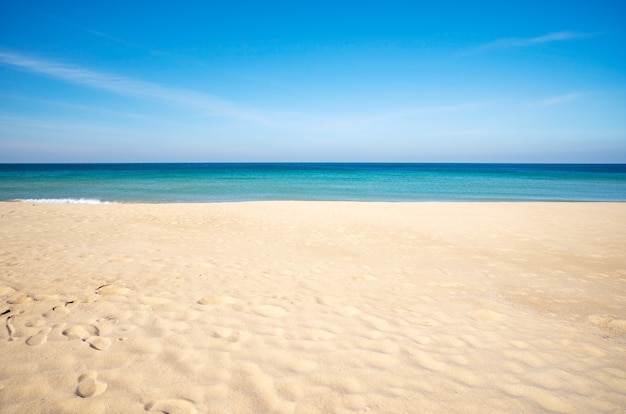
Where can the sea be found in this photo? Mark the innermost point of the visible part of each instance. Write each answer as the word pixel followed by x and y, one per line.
pixel 380 182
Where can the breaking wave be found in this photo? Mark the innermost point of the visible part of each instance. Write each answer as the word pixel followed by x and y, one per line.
pixel 63 201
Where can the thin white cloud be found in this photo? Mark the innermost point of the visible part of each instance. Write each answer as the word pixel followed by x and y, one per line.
pixel 215 106
pixel 111 38
pixel 209 104
pixel 516 42
pixel 285 121
pixel 360 122
pixel 559 99
pixel 121 41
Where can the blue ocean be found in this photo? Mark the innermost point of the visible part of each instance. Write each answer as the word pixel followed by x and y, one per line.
pixel 217 182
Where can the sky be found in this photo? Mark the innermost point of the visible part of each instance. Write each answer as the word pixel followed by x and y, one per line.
pixel 303 81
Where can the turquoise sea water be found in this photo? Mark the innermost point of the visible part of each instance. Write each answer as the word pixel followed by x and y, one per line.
pixel 159 183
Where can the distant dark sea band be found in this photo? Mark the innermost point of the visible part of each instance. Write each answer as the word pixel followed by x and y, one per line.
pixel 221 182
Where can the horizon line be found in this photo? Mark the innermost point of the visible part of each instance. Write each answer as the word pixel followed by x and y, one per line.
pixel 316 162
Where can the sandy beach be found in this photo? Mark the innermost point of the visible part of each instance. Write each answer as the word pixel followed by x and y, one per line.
pixel 313 307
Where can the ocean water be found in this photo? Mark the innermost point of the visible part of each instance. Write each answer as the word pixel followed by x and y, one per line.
pixel 215 182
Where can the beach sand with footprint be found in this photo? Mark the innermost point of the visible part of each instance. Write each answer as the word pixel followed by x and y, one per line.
pixel 283 307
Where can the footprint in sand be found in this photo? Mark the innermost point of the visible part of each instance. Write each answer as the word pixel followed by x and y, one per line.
pixel 39 339
pixel 10 327
pixel 41 297
pixel 99 343
pixel 19 299
pixel 76 332
pixel 6 290
pixel 217 300
pixel 56 332
pixel 112 290
pixel 89 386
pixel 57 313
pixel 172 407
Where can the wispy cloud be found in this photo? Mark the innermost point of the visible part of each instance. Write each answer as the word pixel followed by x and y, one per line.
pixel 206 103
pixel 109 37
pixel 516 42
pixel 215 106
pixel 559 99
pixel 355 122
pixel 120 41
pixel 78 27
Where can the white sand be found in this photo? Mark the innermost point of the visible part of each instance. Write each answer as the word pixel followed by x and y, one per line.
pixel 288 307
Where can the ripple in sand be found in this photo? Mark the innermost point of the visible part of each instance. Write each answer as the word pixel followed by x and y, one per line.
pixel 467 377
pixel 289 389
pixel 524 357
pixel 384 346
pixel 426 360
pixel 312 334
pixel 271 311
pixel 366 277
pixel 617 324
pixel 375 322
pixel 544 398
pixel 347 310
pixel 487 315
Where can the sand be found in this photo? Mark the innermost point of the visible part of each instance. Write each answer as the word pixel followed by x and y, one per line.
pixel 299 307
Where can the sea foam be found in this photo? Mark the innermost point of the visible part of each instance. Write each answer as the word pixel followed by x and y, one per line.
pixel 63 201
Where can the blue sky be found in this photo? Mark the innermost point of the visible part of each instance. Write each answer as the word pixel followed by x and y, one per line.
pixel 450 81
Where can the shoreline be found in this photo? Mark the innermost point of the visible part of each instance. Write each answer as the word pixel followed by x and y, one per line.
pixel 307 306
pixel 82 201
